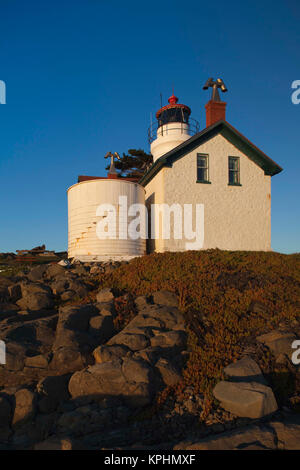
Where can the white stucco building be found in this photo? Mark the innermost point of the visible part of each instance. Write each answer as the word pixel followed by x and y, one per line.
pixel 217 167
pixel 217 172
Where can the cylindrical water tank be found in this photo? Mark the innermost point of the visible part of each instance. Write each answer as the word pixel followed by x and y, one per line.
pixel 89 220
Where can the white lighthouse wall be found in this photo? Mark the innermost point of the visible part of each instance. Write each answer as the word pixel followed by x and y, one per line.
pixel 235 217
pixel 83 201
pixel 168 137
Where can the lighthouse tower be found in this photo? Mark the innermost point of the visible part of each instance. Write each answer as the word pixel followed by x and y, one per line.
pixel 173 127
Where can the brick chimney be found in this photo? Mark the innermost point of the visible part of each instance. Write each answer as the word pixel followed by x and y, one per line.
pixel 215 111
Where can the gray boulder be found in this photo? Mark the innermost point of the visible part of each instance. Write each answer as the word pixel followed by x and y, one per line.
pixel 5 411
pixel 73 344
pixel 79 287
pixel 168 317
pixel 37 301
pixel 25 407
pixel 84 420
pixel 14 292
pixel 133 341
pixel 59 286
pixel 102 327
pixel 76 317
pixel 52 390
pixel 136 370
pixel 144 320
pixel 15 356
pixel 68 359
pixel 80 269
pixel 39 361
pixel 169 339
pixel 246 399
pixel 150 355
pixel 38 334
pixel 37 273
pixel 109 353
pixel 130 381
pixel 105 295
pixel 168 372
pixel 35 297
pixel 278 342
pixel 4 284
pixel 54 270
pixel 245 369
pixel 78 340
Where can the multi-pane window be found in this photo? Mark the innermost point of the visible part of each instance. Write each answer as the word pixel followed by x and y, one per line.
pixel 202 168
pixel 233 170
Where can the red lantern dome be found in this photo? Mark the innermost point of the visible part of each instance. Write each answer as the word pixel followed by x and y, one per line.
pixel 173 112
pixel 173 99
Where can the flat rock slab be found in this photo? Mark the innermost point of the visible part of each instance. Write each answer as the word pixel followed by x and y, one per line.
pixel 246 399
pixel 250 438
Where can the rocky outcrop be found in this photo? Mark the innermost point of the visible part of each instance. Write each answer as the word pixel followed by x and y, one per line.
pixel 35 296
pixel 251 438
pixel 130 365
pixel 81 374
pixel 275 435
pixel 287 433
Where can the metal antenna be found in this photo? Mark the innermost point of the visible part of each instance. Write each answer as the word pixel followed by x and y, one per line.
pixel 112 156
pixel 215 85
pixel 161 100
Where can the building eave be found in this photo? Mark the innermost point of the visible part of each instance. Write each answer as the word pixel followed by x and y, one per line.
pixel 231 134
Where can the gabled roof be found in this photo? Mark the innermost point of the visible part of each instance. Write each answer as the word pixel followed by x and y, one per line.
pixel 226 130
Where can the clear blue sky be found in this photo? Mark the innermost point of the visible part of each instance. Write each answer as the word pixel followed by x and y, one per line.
pixel 82 77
